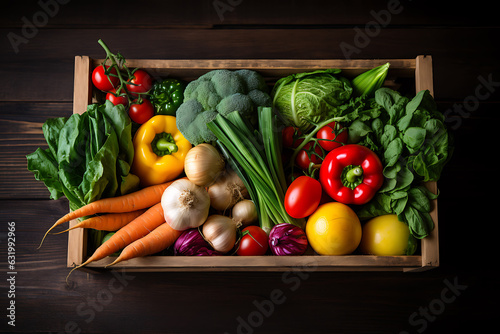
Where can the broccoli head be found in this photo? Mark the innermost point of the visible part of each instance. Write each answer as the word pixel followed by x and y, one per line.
pixel 219 92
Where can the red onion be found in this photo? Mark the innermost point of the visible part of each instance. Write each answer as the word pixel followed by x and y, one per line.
pixel 191 243
pixel 287 239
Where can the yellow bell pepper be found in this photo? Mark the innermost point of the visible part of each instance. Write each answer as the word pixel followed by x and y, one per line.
pixel 160 151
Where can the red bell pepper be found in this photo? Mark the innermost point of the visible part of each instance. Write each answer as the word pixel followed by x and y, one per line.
pixel 351 174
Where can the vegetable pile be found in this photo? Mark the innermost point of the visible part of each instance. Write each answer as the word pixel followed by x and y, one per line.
pixel 227 165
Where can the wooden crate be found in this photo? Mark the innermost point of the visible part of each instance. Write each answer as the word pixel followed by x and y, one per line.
pixel 416 73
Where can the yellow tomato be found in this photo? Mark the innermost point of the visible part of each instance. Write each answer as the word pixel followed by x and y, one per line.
pixel 333 229
pixel 386 235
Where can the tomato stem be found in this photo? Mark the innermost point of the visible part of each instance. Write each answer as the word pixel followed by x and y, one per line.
pixel 114 63
pixel 308 138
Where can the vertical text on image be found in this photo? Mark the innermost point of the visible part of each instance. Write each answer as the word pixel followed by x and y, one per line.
pixel 11 273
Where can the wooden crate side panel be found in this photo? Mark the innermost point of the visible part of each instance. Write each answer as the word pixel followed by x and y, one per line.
pixel 77 239
pixel 430 244
pixel 264 263
pixel 271 69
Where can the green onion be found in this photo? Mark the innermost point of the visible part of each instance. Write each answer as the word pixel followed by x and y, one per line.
pixel 257 156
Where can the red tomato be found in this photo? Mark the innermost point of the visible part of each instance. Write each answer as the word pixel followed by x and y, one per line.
pixel 102 81
pixel 140 83
pixel 303 197
pixel 288 134
pixel 328 132
pixel 302 159
pixel 253 242
pixel 141 113
pixel 116 100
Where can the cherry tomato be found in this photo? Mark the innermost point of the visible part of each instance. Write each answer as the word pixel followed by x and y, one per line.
pixel 302 159
pixel 140 83
pixel 116 100
pixel 102 81
pixel 141 113
pixel 328 132
pixel 303 197
pixel 254 241
pixel 288 134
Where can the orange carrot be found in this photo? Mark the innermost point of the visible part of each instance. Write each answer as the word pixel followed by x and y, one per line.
pixel 140 199
pixel 107 222
pixel 129 233
pixel 160 238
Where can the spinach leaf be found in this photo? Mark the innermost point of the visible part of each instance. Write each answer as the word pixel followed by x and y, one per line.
pixel 414 145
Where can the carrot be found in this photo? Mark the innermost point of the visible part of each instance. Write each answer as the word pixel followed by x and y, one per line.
pixel 140 199
pixel 160 238
pixel 129 233
pixel 107 222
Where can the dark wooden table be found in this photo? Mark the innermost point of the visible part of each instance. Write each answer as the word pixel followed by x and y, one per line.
pixel 38 45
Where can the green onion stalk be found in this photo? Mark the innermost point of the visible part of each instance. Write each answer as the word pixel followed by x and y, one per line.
pixel 256 158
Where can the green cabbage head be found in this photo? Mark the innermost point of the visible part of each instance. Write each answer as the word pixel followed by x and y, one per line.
pixel 309 97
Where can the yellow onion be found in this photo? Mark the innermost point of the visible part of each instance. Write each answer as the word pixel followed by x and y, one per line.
pixel 220 232
pixel 227 191
pixel 203 164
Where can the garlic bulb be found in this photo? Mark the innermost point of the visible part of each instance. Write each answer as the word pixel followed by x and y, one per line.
pixel 220 232
pixel 185 205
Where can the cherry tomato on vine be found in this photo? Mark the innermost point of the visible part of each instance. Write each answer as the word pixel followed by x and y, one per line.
pixel 140 83
pixel 254 241
pixel 333 137
pixel 116 100
pixel 303 197
pixel 102 81
pixel 302 159
pixel 141 113
pixel 288 137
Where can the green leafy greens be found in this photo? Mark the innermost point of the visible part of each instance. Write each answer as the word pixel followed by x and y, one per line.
pixel 88 156
pixel 413 143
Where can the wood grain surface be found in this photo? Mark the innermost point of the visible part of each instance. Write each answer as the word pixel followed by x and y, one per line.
pixel 460 295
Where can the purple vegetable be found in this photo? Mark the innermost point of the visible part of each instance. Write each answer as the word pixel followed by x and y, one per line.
pixel 191 243
pixel 287 239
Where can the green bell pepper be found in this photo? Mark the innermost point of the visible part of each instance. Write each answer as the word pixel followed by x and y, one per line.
pixel 167 95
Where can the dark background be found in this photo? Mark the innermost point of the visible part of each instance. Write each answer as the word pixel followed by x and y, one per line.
pixel 37 83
